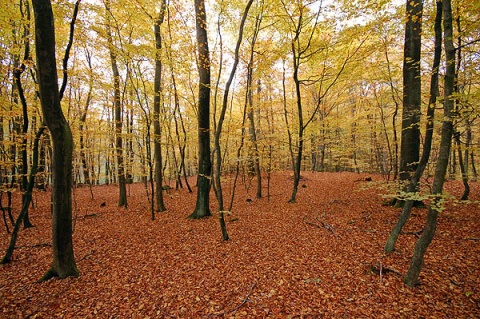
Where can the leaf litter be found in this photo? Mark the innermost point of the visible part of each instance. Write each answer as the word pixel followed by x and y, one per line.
pixel 321 257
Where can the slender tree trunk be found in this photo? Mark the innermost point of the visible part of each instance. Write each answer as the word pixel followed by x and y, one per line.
pixel 462 159
pixel 255 155
pixel 202 207
pixel 63 264
pixel 427 146
pixel 394 116
pixel 218 131
pixel 298 158
pixel 461 163
pixel 83 119
pixel 181 143
pixel 285 114
pixel 117 103
pixel 157 130
pixel 26 200
pixel 411 278
pixel 17 73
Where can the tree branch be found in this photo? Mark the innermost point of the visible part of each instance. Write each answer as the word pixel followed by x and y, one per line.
pixel 69 47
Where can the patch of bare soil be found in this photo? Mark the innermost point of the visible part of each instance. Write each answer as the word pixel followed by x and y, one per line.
pixel 321 257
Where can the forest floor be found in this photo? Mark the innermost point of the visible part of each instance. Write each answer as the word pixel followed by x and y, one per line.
pixel 320 257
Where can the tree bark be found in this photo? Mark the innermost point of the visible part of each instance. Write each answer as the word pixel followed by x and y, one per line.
pixel 63 264
pixel 427 146
pixel 411 278
pixel 26 199
pixel 218 131
pixel 410 142
pixel 252 130
pixel 157 130
pixel 122 183
pixel 202 207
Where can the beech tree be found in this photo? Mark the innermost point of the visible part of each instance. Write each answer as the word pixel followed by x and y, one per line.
pixel 411 187
pixel 204 176
pixel 118 110
pixel 158 194
pixel 412 86
pixel 411 278
pixel 63 264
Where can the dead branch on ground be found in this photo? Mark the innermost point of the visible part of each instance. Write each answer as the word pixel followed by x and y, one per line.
pixel 320 224
pixel 415 233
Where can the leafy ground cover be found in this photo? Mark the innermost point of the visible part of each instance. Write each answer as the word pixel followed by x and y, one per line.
pixel 318 258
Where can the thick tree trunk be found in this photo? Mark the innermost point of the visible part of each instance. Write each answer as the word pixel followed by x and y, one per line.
pixel 411 278
pixel 63 264
pixel 202 207
pixel 427 146
pixel 410 143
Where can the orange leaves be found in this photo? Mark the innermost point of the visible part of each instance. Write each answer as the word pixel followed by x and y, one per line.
pixel 274 266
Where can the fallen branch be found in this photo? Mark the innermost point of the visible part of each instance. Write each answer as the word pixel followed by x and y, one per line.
pixel 416 233
pixel 320 225
pixel 88 254
pixel 472 238
pixel 380 269
pixel 244 301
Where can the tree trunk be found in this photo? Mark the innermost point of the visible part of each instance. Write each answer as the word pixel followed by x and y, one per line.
pixel 63 264
pixel 157 130
pixel 122 200
pixel 17 83
pixel 297 161
pixel 218 131
pixel 461 163
pixel 410 143
pixel 27 198
pixel 81 126
pixel 427 146
pixel 411 278
pixel 252 129
pixel 462 159
pixel 255 155
pixel 202 207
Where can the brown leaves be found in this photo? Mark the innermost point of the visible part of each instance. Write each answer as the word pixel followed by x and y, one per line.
pixel 275 265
